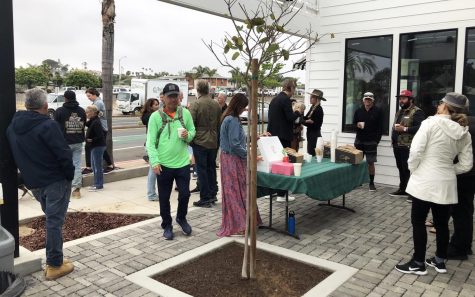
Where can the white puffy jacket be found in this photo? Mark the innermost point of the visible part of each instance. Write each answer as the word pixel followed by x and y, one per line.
pixel 433 174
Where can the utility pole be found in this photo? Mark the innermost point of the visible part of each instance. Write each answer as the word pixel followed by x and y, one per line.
pixel 8 170
pixel 120 69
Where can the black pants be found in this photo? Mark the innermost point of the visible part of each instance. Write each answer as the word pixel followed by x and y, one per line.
pixel 106 156
pixel 462 213
pixel 312 142
pixel 401 153
pixel 440 215
pixel 165 179
pixel 205 162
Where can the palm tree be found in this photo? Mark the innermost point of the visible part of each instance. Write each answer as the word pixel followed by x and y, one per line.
pixel 108 16
pixel 236 77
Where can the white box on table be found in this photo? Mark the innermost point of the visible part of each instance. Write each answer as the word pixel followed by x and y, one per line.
pixel 271 151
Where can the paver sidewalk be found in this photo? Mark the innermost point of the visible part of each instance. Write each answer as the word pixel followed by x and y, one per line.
pixel 373 240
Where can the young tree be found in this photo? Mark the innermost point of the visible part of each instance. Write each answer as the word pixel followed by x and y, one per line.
pixel 108 17
pixel 82 78
pixel 260 40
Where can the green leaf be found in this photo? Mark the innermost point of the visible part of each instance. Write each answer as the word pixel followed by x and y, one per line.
pixel 279 28
pixel 258 21
pixel 235 55
pixel 285 54
pixel 272 16
pixel 273 47
pixel 226 49
pixel 264 40
pixel 261 29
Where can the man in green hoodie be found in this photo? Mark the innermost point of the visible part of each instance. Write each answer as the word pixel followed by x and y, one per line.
pixel 170 130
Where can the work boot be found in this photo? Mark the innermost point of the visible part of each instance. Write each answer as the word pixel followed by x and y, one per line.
pixel 76 194
pixel 202 203
pixel 52 272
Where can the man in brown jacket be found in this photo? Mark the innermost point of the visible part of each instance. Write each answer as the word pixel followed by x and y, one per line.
pixel 206 114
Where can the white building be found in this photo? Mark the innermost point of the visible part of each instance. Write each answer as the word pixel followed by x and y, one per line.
pixel 426 46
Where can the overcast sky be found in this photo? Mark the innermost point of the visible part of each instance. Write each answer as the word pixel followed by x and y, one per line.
pixel 150 33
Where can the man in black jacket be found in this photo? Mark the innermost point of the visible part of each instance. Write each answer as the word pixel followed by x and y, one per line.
pixel 281 115
pixel 71 117
pixel 460 245
pixel 368 120
pixel 45 162
pixel 314 120
pixel 281 120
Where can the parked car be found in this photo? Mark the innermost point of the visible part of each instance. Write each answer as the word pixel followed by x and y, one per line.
pixel 261 116
pixel 230 92
pixel 56 100
pixel 239 91
pixel 192 92
pixel 272 93
pixel 116 91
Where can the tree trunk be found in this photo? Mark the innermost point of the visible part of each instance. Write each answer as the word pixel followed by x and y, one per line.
pixel 108 16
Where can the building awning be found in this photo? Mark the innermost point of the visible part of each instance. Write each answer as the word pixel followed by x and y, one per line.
pixel 300 64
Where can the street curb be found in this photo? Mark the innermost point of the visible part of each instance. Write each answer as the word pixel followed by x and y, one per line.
pixel 117 175
pixel 127 127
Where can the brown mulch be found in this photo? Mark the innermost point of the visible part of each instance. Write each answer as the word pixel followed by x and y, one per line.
pixel 219 274
pixel 77 225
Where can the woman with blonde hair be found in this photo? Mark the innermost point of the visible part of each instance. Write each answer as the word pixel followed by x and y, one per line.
pixel 298 108
pixel 433 183
pixel 96 139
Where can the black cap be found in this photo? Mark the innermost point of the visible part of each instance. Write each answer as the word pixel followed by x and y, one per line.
pixel 171 89
pixel 70 95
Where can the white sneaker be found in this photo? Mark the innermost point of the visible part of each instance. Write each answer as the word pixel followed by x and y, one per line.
pixel 94 189
pixel 282 198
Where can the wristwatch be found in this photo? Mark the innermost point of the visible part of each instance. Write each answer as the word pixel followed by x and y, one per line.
pixel 405 129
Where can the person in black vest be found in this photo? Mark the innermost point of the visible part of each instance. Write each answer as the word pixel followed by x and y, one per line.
pixel 72 118
pixel 313 120
pixel 368 120
pixel 460 245
pixel 407 121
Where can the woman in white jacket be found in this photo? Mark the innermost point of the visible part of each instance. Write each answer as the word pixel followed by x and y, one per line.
pixel 433 183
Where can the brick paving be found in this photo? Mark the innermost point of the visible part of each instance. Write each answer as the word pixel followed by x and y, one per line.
pixel 373 240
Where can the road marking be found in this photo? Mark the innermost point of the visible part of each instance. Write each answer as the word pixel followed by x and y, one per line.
pixel 122 148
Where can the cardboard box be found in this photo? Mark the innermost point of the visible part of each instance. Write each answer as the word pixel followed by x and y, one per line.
pixel 283 168
pixel 294 156
pixel 348 154
pixel 271 151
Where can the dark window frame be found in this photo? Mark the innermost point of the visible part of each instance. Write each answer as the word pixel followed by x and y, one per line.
pixel 399 56
pixel 465 57
pixel 347 40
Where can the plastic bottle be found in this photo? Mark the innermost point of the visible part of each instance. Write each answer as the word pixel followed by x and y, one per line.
pixel 291 223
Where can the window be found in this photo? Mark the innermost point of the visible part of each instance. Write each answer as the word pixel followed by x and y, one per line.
pixel 367 69
pixel 469 69
pixel 427 66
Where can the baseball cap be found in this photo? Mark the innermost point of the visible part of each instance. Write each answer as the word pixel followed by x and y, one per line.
pixel 171 89
pixel 70 95
pixel 368 95
pixel 405 93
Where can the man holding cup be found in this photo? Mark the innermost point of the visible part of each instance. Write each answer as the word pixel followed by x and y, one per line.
pixel 407 121
pixel 368 120
pixel 170 130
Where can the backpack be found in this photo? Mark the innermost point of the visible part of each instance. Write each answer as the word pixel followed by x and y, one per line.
pixel 166 120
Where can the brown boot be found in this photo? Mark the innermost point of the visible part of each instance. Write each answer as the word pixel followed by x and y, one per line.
pixel 52 272
pixel 76 194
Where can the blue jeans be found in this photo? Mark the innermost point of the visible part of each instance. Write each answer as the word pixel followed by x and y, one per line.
pixel 96 163
pixel 54 200
pixel 165 179
pixel 205 161
pixel 151 181
pixel 76 149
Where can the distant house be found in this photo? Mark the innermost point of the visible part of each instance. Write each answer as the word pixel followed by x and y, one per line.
pixel 215 81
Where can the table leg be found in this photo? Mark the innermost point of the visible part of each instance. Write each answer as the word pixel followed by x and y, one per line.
pixel 343 206
pixel 286 218
pixel 270 210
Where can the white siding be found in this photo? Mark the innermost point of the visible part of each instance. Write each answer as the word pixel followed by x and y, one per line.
pixel 362 18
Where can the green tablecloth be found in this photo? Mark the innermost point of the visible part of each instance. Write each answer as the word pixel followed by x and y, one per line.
pixel 321 181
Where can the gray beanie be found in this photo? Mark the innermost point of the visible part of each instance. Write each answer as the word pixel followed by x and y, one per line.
pixel 456 100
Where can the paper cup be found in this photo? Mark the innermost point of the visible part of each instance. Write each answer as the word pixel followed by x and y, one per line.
pixel 361 124
pixel 319 158
pixel 308 158
pixel 297 169
pixel 180 131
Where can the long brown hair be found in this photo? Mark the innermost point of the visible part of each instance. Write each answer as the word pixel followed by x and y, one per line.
pixel 238 102
pixel 147 108
pixel 457 115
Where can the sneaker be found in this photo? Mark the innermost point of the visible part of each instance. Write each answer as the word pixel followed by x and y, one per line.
pixel 372 188
pixel 86 171
pixel 439 267
pixel 195 190
pixel 168 233
pixel 153 199
pixel 95 189
pixel 398 193
pixel 202 203
pixel 282 198
pixel 109 169
pixel 411 267
pixel 52 272
pixel 214 199
pixel 145 158
pixel 185 227
pixel 76 194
